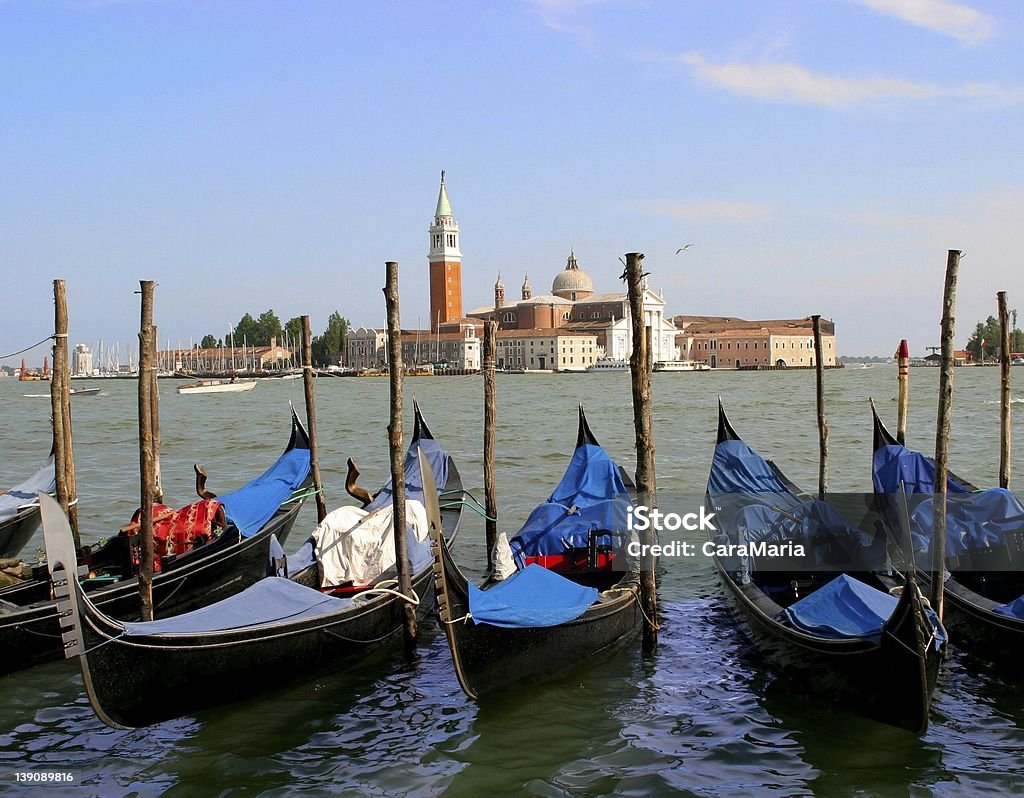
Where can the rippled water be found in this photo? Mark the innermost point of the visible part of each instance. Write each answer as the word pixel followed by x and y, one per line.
pixel 703 717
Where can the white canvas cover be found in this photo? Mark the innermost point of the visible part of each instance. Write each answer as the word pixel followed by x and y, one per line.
pixel 353 545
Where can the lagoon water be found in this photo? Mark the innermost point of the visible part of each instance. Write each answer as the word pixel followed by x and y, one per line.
pixel 704 716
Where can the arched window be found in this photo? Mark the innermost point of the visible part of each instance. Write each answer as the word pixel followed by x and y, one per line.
pixel 509 317
pixel 566 316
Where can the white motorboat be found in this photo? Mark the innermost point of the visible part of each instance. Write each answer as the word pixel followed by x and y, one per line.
pixel 218 386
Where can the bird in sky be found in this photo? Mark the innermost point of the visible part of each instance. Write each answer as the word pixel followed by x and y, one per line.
pixel 683 248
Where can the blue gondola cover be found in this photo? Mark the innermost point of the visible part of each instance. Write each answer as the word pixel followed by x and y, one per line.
pixel 438 459
pixel 843 609
pixel 530 598
pixel 590 497
pixel 271 600
pixel 251 506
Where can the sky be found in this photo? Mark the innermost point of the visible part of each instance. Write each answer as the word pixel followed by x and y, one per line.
pixel 821 156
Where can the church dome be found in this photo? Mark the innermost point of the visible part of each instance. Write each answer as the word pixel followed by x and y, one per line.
pixel 572 281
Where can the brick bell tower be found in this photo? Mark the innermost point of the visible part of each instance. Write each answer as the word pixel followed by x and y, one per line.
pixel 445 264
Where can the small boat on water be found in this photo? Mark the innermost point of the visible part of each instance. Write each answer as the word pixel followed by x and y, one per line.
pixel 276 631
pixel 680 365
pixel 72 392
pixel 815 593
pixel 19 509
pixel 984 594
pixel 574 595
pixel 609 364
pixel 218 386
pixel 208 551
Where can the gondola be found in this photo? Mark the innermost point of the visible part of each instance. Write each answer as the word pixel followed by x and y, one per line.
pixel 538 622
pixel 984 594
pixel 19 510
pixel 238 556
pixel 276 631
pixel 812 590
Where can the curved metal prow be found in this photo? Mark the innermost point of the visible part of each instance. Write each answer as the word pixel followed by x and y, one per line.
pixel 420 430
pixel 725 430
pixel 299 438
pixel 584 435
pixel 882 436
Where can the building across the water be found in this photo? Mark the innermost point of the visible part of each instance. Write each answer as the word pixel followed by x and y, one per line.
pixel 81 361
pixel 729 342
pixel 574 309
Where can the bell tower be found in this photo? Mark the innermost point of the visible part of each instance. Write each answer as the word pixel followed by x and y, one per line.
pixel 445 260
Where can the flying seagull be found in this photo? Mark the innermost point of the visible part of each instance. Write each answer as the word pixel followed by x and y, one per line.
pixel 683 248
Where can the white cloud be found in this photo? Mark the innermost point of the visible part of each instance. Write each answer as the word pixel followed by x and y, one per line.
pixel 711 210
pixel 954 19
pixel 796 84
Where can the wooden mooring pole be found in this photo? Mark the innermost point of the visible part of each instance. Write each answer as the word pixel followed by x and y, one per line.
pixel 640 368
pixel 146 459
pixel 314 452
pixel 397 454
pixel 819 371
pixel 1005 419
pixel 902 391
pixel 943 425
pixel 60 406
pixel 490 437
pixel 154 400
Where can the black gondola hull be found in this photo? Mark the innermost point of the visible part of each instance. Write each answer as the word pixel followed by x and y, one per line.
pixel 17 531
pixel 892 682
pixel 30 633
pixel 490 658
pixel 139 681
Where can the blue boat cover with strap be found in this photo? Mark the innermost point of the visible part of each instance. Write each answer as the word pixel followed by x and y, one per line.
pixel 844 609
pixel 269 601
pixel 251 506
pixel 590 497
pixel 530 598
pixel 438 459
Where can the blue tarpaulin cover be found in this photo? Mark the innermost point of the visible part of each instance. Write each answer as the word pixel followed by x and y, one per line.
pixel 251 506
pixel 438 459
pixel 1014 609
pixel 590 496
pixel 736 468
pixel 894 464
pixel 271 600
pixel 975 521
pixel 25 493
pixel 845 608
pixel 530 598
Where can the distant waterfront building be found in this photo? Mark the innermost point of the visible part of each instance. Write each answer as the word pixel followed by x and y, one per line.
pixel 226 358
pixel 573 308
pixel 543 349
pixel 81 361
pixel 459 349
pixel 729 342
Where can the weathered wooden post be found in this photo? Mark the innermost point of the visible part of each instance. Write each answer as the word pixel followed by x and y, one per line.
pixel 943 425
pixel 146 459
pixel 60 406
pixel 1005 420
pixel 640 367
pixel 903 391
pixel 314 452
pixel 490 422
pixel 154 399
pixel 819 369
pixel 397 454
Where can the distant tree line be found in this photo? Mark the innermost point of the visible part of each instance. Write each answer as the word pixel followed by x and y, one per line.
pixel 327 348
pixel 986 338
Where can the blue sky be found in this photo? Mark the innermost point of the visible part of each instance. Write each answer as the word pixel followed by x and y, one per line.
pixel 821 155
